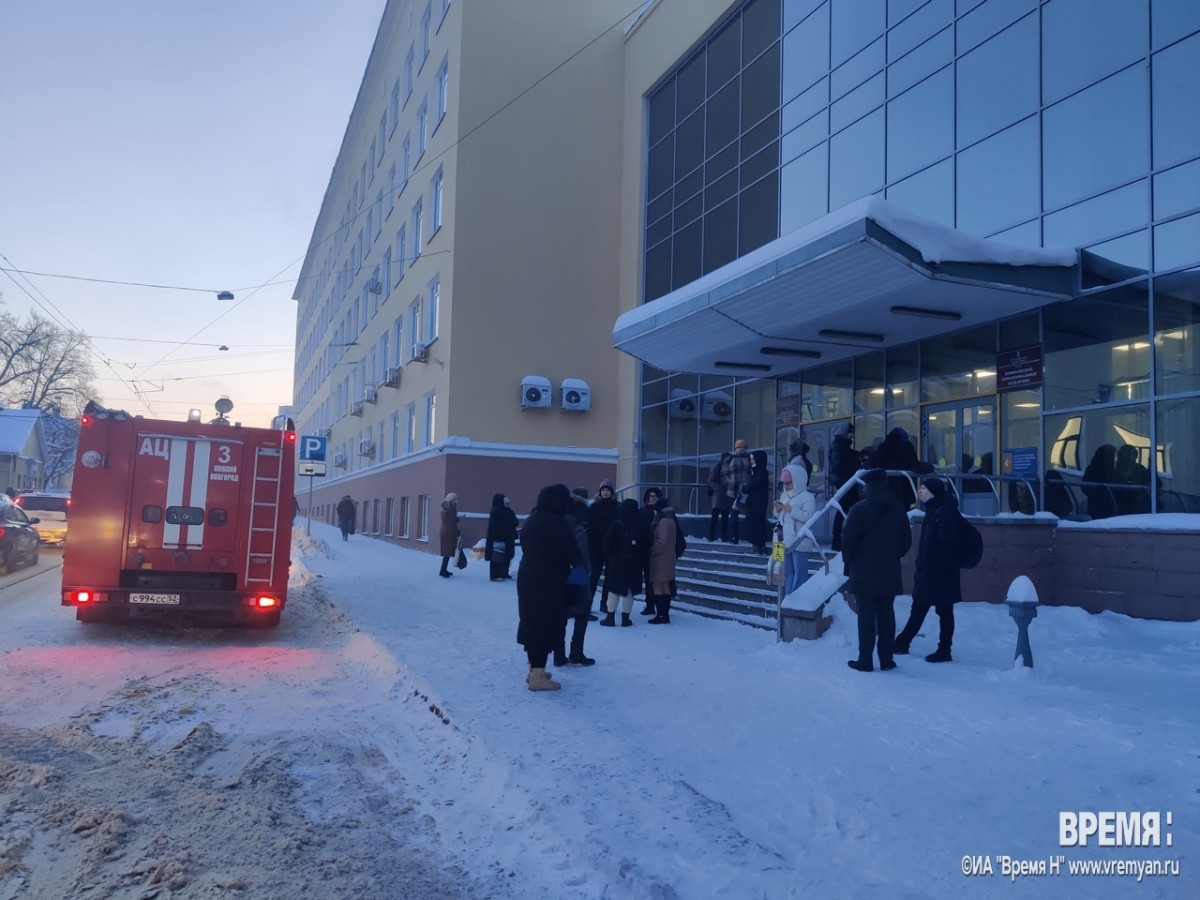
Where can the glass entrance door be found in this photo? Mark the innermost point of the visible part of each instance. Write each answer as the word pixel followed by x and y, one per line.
pixel 959 438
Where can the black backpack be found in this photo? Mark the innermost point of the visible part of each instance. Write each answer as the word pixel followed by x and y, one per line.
pixel 680 542
pixel 970 544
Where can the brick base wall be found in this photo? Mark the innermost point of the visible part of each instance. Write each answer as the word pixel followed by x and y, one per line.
pixel 1144 574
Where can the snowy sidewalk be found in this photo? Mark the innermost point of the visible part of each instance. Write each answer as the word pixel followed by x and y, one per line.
pixel 703 759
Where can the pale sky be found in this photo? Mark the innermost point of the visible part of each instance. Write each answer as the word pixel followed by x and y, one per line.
pixel 177 144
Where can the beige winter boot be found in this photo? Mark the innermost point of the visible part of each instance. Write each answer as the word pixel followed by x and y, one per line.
pixel 528 678
pixel 539 680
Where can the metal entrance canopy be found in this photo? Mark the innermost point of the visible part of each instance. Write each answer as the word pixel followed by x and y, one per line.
pixel 866 277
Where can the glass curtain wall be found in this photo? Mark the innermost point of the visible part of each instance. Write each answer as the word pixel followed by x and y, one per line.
pixel 971 114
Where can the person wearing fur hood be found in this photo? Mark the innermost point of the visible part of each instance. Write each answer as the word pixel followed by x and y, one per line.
pixel 795 506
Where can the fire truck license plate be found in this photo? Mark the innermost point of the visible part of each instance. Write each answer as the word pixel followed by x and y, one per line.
pixel 168 599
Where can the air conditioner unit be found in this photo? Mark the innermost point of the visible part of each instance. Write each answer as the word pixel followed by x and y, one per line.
pixel 324 432
pixel 339 460
pixel 374 287
pixel 535 392
pixel 420 352
pixel 366 448
pixel 371 394
pixel 683 404
pixel 392 378
pixel 356 408
pixel 576 395
pixel 716 406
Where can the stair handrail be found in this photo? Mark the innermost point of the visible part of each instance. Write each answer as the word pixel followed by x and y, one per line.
pixel 833 504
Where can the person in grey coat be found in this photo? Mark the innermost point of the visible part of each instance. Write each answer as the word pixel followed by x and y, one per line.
pixel 448 534
pixel 874 540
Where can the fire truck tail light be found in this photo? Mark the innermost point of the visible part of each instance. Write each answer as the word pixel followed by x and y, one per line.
pixel 265 602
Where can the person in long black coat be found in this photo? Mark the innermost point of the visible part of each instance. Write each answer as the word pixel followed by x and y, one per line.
pixel 501 538
pixel 549 552
pixel 843 463
pixel 1099 474
pixel 874 540
pixel 758 491
pixel 646 511
pixel 578 598
pixel 626 556
pixel 602 512
pixel 346 514
pixel 937 580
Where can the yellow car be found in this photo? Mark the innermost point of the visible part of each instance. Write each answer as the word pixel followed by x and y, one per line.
pixel 51 508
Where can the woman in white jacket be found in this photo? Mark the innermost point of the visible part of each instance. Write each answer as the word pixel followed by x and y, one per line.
pixel 795 506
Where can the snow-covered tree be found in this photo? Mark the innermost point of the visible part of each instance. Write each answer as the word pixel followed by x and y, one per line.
pixel 43 366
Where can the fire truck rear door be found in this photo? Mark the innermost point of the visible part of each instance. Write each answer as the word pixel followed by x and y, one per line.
pixel 186 492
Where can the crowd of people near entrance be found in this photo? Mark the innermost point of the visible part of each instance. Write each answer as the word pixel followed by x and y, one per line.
pixel 576 547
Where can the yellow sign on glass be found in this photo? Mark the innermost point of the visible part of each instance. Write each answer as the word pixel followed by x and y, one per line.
pixel 777 551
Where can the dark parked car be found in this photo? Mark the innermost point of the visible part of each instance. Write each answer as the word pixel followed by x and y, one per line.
pixel 19 540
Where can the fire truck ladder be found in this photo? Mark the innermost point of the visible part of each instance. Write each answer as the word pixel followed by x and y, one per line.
pixel 264 515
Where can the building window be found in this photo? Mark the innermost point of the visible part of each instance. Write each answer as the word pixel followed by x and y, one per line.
pixel 422 128
pixel 443 89
pixel 402 524
pixel 378 216
pixel 410 428
pixel 382 140
pixel 430 418
pixel 387 274
pixel 405 162
pixel 396 446
pixel 387 517
pixel 397 339
pixel 426 31
pixel 416 231
pixel 391 197
pixel 435 194
pixel 394 108
pixel 401 254
pixel 423 516
pixel 431 320
pixel 409 59
pixel 415 330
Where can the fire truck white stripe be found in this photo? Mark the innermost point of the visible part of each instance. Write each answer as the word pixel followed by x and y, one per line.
pixel 195 533
pixel 177 467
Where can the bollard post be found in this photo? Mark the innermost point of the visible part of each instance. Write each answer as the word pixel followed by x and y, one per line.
pixel 1022 602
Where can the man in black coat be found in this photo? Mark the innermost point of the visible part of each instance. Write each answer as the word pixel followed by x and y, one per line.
pixel 937 581
pixel 650 498
pixel 577 599
pixel 601 513
pixel 874 540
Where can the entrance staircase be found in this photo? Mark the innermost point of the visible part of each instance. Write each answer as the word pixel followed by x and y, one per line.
pixel 725 581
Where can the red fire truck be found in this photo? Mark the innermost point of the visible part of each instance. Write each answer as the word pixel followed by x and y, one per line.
pixel 179 519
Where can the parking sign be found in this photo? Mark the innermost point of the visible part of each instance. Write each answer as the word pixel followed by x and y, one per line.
pixel 312 448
